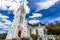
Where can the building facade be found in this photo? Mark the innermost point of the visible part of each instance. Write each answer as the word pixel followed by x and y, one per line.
pixel 20 28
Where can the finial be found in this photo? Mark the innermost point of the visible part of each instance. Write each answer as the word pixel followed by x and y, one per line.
pixel 22 2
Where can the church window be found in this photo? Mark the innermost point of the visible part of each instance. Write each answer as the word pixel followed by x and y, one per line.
pixel 21 19
pixel 22 9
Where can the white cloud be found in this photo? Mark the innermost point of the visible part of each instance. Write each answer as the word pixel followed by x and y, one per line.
pixel 3 16
pixel 1 24
pixel 53 20
pixel 2 32
pixel 58 19
pixel 35 15
pixel 27 9
pixel 13 5
pixel 4 4
pixel 34 21
pixel 7 22
pixel 6 29
pixel 45 4
pixel 5 25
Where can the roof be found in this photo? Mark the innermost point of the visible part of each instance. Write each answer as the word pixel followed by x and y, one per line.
pixel 36 24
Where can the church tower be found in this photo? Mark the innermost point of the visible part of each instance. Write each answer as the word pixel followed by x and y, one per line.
pixel 19 25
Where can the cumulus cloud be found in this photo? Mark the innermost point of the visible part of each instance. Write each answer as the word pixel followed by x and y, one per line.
pixel 3 16
pixel 1 24
pixel 27 9
pixel 35 15
pixel 2 31
pixel 55 19
pixel 45 4
pixel 4 4
pixel 34 21
pixel 13 5
pixel 4 22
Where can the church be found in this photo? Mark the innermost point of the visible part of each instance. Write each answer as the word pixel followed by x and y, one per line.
pixel 21 29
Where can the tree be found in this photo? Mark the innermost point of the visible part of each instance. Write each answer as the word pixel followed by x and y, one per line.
pixel 3 36
pixel 53 28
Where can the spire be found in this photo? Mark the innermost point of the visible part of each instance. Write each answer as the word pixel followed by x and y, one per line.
pixel 22 6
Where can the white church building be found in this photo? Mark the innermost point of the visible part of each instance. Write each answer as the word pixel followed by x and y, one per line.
pixel 20 28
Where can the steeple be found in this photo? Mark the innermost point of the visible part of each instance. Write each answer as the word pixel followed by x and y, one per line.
pixel 18 26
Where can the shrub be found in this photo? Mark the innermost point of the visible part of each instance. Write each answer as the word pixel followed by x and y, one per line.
pixel 40 38
pixel 34 36
pixel 14 39
pixel 50 39
pixel 57 37
pixel 25 39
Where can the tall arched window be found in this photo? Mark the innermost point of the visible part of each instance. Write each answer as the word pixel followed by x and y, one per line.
pixel 21 19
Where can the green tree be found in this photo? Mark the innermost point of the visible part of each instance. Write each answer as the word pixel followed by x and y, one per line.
pixel 3 36
pixel 53 28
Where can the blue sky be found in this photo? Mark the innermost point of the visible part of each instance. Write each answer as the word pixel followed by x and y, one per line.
pixel 44 11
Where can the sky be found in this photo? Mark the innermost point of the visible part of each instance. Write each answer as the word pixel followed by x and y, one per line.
pixel 44 11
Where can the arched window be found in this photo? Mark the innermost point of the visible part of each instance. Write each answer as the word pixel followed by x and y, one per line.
pixel 21 19
pixel 22 8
